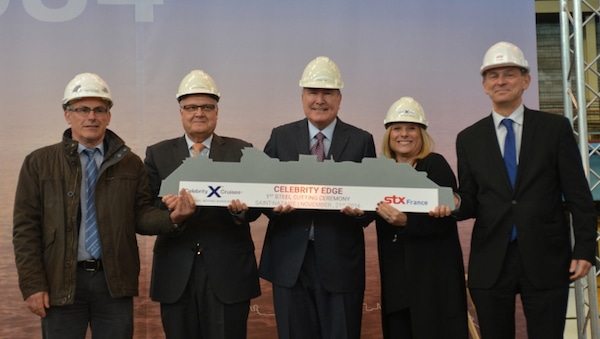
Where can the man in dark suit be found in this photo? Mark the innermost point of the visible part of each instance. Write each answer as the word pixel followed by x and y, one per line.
pixel 315 259
pixel 520 242
pixel 205 276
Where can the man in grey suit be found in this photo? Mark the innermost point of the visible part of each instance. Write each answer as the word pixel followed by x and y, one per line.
pixel 315 259
pixel 205 276
pixel 520 176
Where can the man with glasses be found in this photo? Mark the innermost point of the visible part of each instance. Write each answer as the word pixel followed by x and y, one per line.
pixel 78 206
pixel 205 276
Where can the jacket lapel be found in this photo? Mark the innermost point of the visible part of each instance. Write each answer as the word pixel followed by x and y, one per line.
pixel 216 147
pixel 339 140
pixel 303 139
pixel 527 145
pixel 173 157
pixel 495 159
pixel 180 150
pixel 338 143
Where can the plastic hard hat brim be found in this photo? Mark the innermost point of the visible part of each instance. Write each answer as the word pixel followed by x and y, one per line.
pixel 508 64
pixel 388 124
pixel 185 95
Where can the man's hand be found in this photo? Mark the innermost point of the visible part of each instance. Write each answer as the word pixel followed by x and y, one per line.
pixel 352 212
pixel 181 206
pixel 237 207
pixel 579 268
pixel 282 209
pixel 170 200
pixel 440 211
pixel 238 210
pixel 445 210
pixel 38 303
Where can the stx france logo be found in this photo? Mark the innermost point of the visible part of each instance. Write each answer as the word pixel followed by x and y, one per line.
pixel 214 191
pixel 394 199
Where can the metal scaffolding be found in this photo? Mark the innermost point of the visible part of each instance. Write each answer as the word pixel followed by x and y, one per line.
pixel 580 91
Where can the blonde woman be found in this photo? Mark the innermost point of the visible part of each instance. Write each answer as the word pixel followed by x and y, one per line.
pixel 420 258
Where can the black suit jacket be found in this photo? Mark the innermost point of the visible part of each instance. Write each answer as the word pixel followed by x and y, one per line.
pixel 339 239
pixel 550 182
pixel 227 246
pixel 421 266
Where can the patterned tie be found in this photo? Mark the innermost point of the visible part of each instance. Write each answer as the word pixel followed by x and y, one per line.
pixel 318 148
pixel 197 149
pixel 92 241
pixel 510 161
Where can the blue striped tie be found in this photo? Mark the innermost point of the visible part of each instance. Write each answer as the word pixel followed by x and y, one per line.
pixel 510 161
pixel 92 241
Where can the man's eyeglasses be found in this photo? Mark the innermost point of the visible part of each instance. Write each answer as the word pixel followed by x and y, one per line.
pixel 207 108
pixel 84 110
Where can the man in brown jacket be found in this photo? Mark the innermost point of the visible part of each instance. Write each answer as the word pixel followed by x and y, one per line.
pixel 78 206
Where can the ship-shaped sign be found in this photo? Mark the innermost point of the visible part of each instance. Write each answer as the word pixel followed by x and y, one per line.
pixel 261 181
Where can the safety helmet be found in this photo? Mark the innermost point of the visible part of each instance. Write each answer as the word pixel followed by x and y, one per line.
pixel 198 82
pixel 503 54
pixel 87 85
pixel 322 72
pixel 406 109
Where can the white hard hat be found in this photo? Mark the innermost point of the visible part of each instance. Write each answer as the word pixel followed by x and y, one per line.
pixel 503 54
pixel 198 82
pixel 322 72
pixel 406 109
pixel 87 85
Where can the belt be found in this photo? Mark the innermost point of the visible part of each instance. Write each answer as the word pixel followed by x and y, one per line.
pixel 91 265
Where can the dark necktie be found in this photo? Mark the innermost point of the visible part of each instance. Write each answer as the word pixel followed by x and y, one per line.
pixel 318 148
pixel 92 240
pixel 510 160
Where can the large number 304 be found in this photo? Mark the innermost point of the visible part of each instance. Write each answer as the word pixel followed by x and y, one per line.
pixel 144 9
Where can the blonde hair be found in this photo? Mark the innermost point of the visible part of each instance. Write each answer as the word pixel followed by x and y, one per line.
pixel 425 149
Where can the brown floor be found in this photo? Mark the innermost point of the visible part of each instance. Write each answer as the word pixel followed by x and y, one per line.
pixel 17 323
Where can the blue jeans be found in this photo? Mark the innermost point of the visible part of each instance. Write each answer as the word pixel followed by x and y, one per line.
pixel 108 317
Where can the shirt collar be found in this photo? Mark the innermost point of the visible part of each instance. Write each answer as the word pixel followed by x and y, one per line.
pixel 99 147
pixel 327 131
pixel 516 116
pixel 206 142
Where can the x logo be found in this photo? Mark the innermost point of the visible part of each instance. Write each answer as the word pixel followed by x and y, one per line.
pixel 214 191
